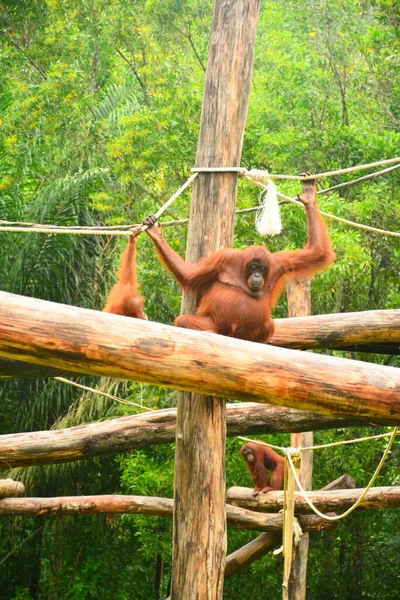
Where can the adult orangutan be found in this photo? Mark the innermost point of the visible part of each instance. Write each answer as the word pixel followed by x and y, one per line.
pixel 124 298
pixel 239 288
pixel 260 458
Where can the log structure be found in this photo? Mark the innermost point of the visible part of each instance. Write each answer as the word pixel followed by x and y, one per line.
pixel 10 488
pixel 341 331
pixel 148 429
pixel 326 501
pixel 88 341
pixel 238 518
pixel 199 540
pixel 266 542
pixel 368 331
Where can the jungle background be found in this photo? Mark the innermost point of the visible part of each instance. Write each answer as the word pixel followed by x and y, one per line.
pixel 100 105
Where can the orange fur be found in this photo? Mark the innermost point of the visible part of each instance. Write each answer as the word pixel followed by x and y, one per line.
pixel 264 458
pixel 124 298
pixel 230 304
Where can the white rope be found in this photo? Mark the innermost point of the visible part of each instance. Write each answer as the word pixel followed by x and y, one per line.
pixel 94 391
pixel 359 180
pixel 330 445
pixel 178 193
pixel 58 230
pixel 115 230
pixel 341 220
pixel 260 174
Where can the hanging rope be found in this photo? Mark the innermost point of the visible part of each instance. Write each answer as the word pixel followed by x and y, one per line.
pixel 359 500
pixel 288 451
pixel 288 520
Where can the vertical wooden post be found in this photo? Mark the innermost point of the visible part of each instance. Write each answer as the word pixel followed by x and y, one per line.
pixel 199 541
pixel 299 305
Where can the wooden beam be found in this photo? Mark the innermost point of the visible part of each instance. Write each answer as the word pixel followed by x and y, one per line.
pixel 86 341
pixel 10 488
pixel 238 518
pixel 344 482
pixel 327 501
pixel 12 369
pixel 341 331
pixel 254 550
pixel 371 331
pixel 148 429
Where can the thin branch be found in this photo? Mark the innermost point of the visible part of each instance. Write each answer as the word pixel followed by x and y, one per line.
pixel 29 58
pixel 188 36
pixel 136 74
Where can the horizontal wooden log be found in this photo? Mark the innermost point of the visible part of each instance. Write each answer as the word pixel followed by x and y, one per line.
pixel 10 488
pixel 148 429
pixel 371 331
pixel 342 331
pixel 326 501
pixel 93 342
pixel 238 518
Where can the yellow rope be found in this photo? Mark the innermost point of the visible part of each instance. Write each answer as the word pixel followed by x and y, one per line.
pixel 359 500
pixel 94 391
pixel 288 518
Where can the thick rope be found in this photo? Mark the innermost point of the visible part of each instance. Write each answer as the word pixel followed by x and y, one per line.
pixel 241 170
pixel 354 181
pixel 262 175
pixel 284 449
pixel 288 524
pixel 341 220
pixel 175 196
pixel 360 499
pixel 119 230
pixel 94 391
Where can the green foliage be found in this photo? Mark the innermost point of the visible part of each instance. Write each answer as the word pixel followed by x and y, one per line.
pixel 99 113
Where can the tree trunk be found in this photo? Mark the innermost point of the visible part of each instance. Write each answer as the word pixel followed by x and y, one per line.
pixel 199 541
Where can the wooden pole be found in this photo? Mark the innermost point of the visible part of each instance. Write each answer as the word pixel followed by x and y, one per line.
pixel 93 342
pixel 199 541
pixel 299 305
pixel 148 429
